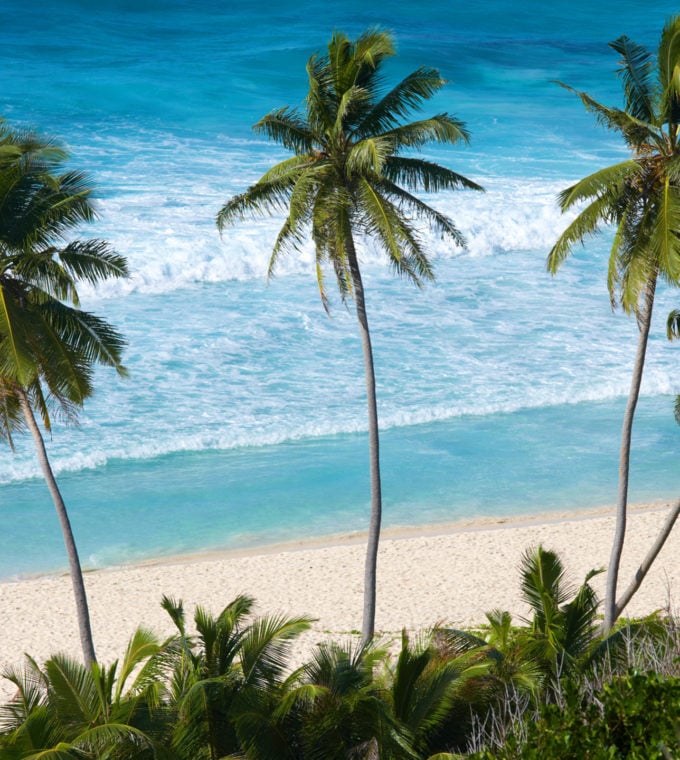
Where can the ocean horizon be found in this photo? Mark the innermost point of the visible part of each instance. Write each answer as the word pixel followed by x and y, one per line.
pixel 501 389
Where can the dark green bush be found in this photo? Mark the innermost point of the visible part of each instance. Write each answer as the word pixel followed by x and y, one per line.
pixel 635 716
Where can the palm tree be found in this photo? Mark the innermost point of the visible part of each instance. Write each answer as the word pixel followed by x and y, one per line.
pixel 560 639
pixel 351 714
pixel 640 197
pixel 348 180
pixel 226 681
pixel 48 346
pixel 65 709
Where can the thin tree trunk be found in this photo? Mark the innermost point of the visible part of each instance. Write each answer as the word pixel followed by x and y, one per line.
pixel 370 571
pixel 624 459
pixel 642 571
pixel 73 560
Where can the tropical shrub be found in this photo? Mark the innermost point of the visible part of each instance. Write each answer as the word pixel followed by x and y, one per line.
pixel 635 716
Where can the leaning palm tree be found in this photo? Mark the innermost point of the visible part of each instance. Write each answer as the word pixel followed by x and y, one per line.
pixel 48 346
pixel 640 197
pixel 348 180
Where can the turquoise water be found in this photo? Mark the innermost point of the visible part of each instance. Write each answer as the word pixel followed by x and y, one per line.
pixel 243 421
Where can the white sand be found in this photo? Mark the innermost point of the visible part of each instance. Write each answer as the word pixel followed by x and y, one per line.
pixel 450 574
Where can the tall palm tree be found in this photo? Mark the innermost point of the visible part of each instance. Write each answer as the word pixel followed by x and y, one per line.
pixel 48 346
pixel 640 197
pixel 349 180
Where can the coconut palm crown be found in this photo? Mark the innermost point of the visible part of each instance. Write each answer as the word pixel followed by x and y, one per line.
pixel 352 177
pixel 640 198
pixel 48 345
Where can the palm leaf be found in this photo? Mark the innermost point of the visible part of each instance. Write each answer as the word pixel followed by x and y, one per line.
pixel 441 128
pixel 601 184
pixel 143 645
pixel 437 221
pixel 401 100
pixel 286 127
pixel 266 647
pixel 673 325
pixel 11 418
pixel 637 73
pixel 669 70
pixel 93 261
pixel 637 133
pixel 664 240
pixel 416 173
pixel 72 690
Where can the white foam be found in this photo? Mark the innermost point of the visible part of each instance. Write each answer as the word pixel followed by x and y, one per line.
pixel 163 218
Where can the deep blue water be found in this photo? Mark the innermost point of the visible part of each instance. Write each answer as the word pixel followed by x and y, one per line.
pixel 501 389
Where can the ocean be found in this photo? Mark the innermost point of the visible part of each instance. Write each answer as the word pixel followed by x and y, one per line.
pixel 500 388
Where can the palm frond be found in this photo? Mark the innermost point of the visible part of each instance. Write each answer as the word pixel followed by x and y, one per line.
pixel 93 261
pixel 301 203
pixel 41 271
pixel 441 128
pixel 351 103
pixel 331 231
pixel 31 688
pixel 11 418
pixel 260 199
pixel 383 221
pixel 669 70
pixel 423 689
pixel 638 267
pixel 17 362
pixel 606 182
pixel 90 337
pixel 637 74
pixel 143 645
pixel 286 127
pixel 637 133
pixel 587 223
pixel 664 240
pixel 543 584
pixel 401 100
pixel 412 205
pixel 673 325
pixel 578 623
pixel 367 157
pixel 266 647
pixel 72 690
pixel 417 173
pixel 320 96
pixel 107 738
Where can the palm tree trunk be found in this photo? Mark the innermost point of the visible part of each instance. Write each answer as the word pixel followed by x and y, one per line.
pixel 647 562
pixel 73 560
pixel 644 323
pixel 370 571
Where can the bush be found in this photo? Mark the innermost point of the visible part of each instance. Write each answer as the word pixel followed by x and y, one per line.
pixel 635 716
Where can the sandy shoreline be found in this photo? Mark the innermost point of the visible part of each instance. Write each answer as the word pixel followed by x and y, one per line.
pixel 444 573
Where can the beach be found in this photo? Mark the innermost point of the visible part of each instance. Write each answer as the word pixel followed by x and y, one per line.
pixel 450 574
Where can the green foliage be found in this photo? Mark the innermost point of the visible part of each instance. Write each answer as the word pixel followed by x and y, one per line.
pixel 225 689
pixel 641 196
pixel 348 176
pixel 48 346
pixel 560 638
pixel 634 717
pixel 65 710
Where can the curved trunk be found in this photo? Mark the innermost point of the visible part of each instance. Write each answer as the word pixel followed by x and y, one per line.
pixel 368 624
pixel 647 562
pixel 624 459
pixel 73 560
